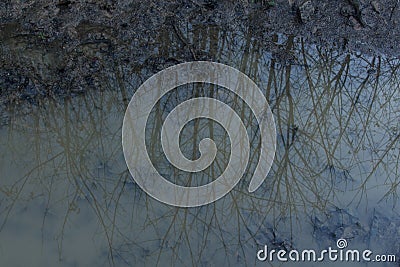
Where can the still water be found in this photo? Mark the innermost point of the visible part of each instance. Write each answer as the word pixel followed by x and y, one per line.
pixel 67 198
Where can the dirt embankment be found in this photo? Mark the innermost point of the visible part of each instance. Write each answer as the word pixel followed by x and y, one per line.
pixel 367 26
pixel 64 47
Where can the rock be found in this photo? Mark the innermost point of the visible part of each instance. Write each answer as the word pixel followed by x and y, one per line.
pixel 354 22
pixel 358 14
pixel 376 6
pixel 306 10
pixel 338 223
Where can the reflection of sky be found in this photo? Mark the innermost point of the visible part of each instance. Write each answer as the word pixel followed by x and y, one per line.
pixel 73 200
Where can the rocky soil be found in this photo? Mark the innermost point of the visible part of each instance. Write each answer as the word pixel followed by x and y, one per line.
pixel 63 47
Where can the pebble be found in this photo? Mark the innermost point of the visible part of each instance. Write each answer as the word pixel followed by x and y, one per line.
pixel 354 22
pixel 377 7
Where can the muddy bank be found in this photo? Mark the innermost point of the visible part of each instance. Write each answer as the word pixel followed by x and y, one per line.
pixel 366 26
pixel 60 48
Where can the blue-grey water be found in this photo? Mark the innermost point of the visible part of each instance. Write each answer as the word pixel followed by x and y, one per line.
pixel 67 198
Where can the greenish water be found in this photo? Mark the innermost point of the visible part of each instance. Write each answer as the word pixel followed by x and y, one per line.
pixel 67 198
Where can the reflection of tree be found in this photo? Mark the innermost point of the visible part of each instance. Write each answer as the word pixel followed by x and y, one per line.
pixel 337 118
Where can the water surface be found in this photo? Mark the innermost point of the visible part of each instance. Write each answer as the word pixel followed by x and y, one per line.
pixel 67 198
